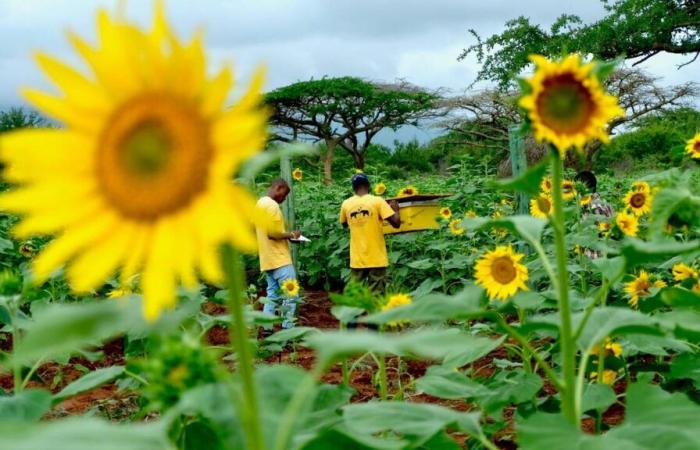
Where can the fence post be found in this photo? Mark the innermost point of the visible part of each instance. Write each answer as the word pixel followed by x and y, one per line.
pixel 288 205
pixel 518 161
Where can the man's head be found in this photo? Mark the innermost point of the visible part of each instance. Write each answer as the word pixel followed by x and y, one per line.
pixel 586 177
pixel 279 189
pixel 360 183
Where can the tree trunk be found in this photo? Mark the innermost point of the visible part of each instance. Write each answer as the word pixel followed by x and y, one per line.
pixel 359 159
pixel 328 161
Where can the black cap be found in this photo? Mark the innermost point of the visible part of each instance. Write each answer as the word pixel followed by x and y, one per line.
pixel 359 179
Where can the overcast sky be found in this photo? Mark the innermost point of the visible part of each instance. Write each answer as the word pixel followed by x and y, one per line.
pixel 418 40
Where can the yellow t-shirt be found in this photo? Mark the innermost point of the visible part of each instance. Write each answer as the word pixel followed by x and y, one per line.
pixel 365 216
pixel 273 253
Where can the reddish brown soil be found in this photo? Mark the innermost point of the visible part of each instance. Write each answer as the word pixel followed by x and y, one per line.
pixel 314 312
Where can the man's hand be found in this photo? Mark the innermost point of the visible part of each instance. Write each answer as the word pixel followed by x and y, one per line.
pixel 394 205
pixel 296 234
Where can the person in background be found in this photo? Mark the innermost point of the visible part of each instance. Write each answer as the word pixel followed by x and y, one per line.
pixel 364 214
pixel 274 254
pixel 597 206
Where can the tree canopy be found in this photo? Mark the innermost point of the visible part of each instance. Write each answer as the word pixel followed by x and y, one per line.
pixel 346 112
pixel 632 29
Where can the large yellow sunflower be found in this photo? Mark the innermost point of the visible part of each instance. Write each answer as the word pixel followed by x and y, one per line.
pixel 568 189
pixel 567 105
pixel 290 287
pixel 541 206
pixel 683 271
pixel 139 177
pixel 379 189
pixel 639 202
pixel 693 147
pixel 501 273
pixel 456 227
pixel 408 191
pixel 640 287
pixel 627 223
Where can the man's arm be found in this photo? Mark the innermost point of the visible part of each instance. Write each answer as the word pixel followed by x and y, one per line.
pixel 395 219
pixel 280 236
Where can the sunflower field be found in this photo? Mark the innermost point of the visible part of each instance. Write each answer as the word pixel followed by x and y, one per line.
pixel 543 312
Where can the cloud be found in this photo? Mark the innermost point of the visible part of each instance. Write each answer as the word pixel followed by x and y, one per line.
pixel 416 40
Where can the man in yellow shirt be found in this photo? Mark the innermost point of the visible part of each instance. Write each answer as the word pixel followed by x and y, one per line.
pixel 273 250
pixel 365 214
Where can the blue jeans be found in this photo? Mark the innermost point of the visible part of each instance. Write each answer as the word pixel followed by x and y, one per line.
pixel 287 306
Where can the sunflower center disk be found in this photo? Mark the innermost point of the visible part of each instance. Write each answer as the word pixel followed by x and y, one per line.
pixel 544 205
pixel 638 200
pixel 565 105
pixel 503 270
pixel 153 158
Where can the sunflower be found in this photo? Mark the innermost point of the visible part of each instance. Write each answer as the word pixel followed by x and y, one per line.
pixel 693 147
pixel 609 376
pixel 358 171
pixel 541 206
pixel 290 287
pixel 568 189
pixel 470 214
pixel 610 348
pixel 640 286
pixel 139 176
pixel 546 185
pixel 683 272
pixel 379 189
pixel 298 174
pixel 641 186
pixel 585 200
pixel 639 202
pixel 501 273
pixel 408 191
pixel 604 228
pixel 445 213
pixel 566 104
pixel 397 300
pixel 455 227
pixel 627 223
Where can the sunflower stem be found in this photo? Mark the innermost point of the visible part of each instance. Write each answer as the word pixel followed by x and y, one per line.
pixel 383 381
pixel 238 333
pixel 568 349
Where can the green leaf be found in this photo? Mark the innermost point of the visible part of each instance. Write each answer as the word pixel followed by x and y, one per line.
pixel 428 343
pixel 598 397
pixel 654 419
pixel 680 298
pixel 291 334
pixel 605 322
pixel 408 419
pixel 638 252
pixel 528 182
pixel 26 406
pixel 83 434
pixel 62 328
pixel 686 366
pixel 478 349
pixel 610 268
pixel 527 227
pixel 89 381
pixel 435 308
pixel 448 383
pixel 677 202
pixel 345 314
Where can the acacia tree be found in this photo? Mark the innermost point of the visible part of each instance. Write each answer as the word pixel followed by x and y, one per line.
pixel 483 119
pixel 346 112
pixel 633 29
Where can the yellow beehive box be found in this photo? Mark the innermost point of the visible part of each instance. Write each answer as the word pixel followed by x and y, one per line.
pixel 418 212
